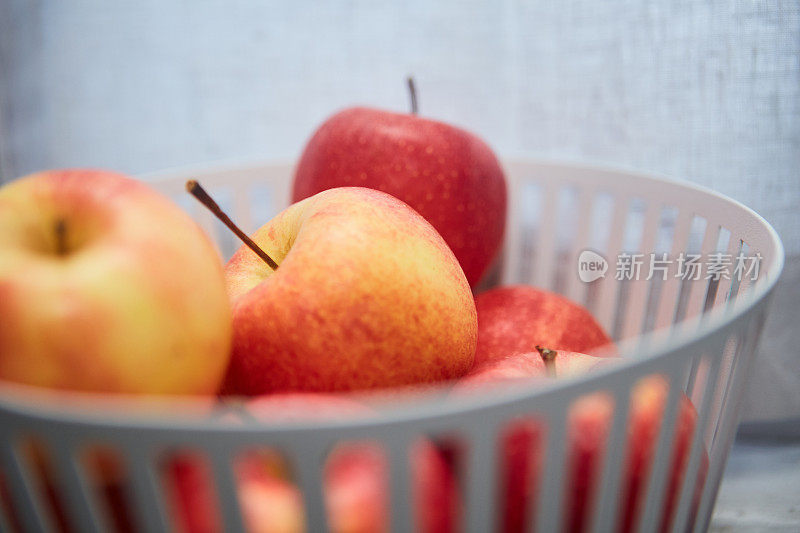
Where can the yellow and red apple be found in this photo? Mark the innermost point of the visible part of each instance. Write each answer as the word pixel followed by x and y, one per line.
pixel 107 286
pixel 366 295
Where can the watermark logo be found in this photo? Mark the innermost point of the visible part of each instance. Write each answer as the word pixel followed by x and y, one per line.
pixel 687 267
pixel 591 266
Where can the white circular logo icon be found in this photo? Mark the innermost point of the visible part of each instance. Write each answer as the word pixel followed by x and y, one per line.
pixel 591 266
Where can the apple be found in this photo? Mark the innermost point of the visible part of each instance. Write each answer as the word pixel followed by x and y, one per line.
pixel 107 286
pixel 517 318
pixel 448 175
pixel 366 295
pixel 355 479
pixel 589 423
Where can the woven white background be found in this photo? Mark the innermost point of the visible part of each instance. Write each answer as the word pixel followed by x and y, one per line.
pixel 706 90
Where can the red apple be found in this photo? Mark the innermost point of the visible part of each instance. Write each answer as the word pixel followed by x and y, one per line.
pixel 588 426
pixel 449 176
pixel 516 319
pixel 366 295
pixel 355 477
pixel 107 286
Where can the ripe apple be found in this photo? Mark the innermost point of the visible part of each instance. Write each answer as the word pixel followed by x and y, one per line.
pixel 588 427
pixel 517 318
pixel 366 295
pixel 355 478
pixel 107 286
pixel 449 176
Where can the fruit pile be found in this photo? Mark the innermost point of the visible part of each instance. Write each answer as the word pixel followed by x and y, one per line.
pixel 365 283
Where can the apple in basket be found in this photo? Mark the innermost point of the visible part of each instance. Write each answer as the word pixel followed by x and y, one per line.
pixel 589 421
pixel 107 286
pixel 517 318
pixel 448 175
pixel 349 289
pixel 355 479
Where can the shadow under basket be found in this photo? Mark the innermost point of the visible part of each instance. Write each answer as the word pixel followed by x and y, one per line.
pixel 661 421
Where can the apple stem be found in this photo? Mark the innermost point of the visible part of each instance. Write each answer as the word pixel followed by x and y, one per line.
pixel 412 90
pixel 549 358
pixel 196 190
pixel 61 236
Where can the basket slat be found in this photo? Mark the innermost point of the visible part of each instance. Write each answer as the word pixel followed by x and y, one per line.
pixel 607 509
pixel 230 510
pixel 550 495
pixel 607 292
pixel 400 455
pixel 576 289
pixel 665 445
pixel 308 462
pixel 81 505
pixel 638 289
pixel 544 254
pixel 481 480
pixel 718 451
pixel 670 289
pixel 148 498
pixel 696 450
pixel 699 289
pixel 25 497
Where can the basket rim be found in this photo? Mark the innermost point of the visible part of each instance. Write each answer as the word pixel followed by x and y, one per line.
pixel 23 401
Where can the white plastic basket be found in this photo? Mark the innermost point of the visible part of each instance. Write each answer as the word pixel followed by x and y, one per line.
pixel 701 335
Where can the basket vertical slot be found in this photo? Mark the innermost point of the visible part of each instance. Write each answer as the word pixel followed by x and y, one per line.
pixel 549 509
pixel 562 267
pixel 307 459
pixel 25 494
pixel 544 253
pixel 723 284
pixel 727 357
pixel 512 246
pixel 528 219
pixel 482 479
pixel 77 492
pixel 698 289
pixel 739 274
pixel 147 494
pixel 597 241
pixel 638 287
pixel 605 513
pixel 660 269
pixel 607 290
pixel 727 426
pixel 670 289
pixel 664 447
pixel 751 275
pixel 400 491
pixel 575 289
pixel 230 510
pixel 697 448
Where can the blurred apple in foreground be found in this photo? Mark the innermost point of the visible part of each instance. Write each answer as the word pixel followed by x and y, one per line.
pixel 355 479
pixel 366 295
pixel 589 423
pixel 517 318
pixel 448 175
pixel 107 286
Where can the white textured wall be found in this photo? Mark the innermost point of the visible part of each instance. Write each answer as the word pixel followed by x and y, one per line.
pixel 707 90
